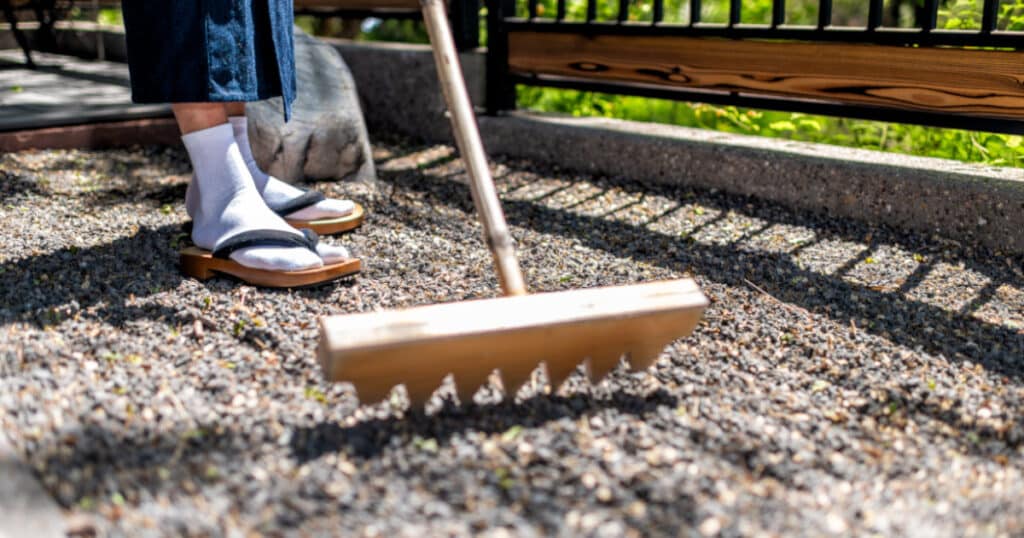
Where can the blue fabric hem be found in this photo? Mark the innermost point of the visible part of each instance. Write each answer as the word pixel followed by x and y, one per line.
pixel 219 98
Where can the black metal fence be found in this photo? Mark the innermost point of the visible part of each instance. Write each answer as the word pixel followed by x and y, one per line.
pixel 952 78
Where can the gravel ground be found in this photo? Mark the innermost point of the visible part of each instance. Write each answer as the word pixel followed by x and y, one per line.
pixel 847 379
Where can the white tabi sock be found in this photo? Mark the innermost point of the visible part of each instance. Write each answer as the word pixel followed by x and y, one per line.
pixel 224 202
pixel 276 192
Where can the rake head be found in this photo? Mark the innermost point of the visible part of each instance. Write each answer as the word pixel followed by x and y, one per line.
pixel 418 347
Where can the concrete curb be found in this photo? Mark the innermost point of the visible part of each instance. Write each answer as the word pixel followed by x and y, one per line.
pixel 965 202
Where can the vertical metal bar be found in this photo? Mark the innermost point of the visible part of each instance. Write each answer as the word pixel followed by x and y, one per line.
pixel 532 7
pixel 659 11
pixel 989 16
pixel 824 13
pixel 875 15
pixel 101 51
pixel 929 15
pixel 560 15
pixel 694 12
pixel 501 93
pixel 465 22
pixel 623 10
pixel 734 11
pixel 778 13
pixel 591 10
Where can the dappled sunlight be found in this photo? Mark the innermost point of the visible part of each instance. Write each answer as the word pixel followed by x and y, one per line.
pixel 951 287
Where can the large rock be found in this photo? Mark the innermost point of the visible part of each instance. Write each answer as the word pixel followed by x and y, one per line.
pixel 326 136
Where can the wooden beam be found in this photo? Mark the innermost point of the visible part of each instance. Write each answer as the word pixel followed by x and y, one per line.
pixel 958 81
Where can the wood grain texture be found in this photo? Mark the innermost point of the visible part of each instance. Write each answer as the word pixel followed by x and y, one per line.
pixel 419 346
pixel 958 81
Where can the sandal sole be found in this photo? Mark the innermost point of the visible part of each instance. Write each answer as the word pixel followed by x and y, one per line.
pixel 201 265
pixel 332 226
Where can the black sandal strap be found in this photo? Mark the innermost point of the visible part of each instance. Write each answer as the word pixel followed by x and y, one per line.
pixel 302 201
pixel 266 238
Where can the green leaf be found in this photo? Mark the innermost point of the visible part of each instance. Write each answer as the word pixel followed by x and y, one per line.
pixel 782 126
pixel 511 433
pixel 810 124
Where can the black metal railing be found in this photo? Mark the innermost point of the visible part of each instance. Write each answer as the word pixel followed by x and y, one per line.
pixel 924 34
pixel 959 107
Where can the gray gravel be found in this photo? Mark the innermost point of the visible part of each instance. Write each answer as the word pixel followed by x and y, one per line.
pixel 847 379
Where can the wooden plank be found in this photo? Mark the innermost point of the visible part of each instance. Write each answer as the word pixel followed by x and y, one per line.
pixel 419 346
pixel 361 5
pixel 958 81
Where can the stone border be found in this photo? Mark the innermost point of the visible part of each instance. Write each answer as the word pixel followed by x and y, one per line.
pixel 162 131
pixel 965 202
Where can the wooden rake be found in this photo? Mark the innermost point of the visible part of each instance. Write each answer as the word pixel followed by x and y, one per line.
pixel 513 334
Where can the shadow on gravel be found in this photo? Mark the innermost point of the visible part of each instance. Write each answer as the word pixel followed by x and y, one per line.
pixel 368 438
pixel 165 194
pixel 955 335
pixel 13 187
pixel 49 288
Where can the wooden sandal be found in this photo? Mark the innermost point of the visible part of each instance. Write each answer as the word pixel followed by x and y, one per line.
pixel 203 264
pixel 325 226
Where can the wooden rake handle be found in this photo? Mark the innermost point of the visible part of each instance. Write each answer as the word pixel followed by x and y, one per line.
pixel 467 138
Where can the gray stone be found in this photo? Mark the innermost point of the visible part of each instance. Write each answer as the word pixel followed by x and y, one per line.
pixel 326 137
pixel 398 84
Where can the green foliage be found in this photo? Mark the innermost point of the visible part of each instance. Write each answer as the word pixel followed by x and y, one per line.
pixel 110 17
pixel 408 31
pixel 966 15
pixel 846 12
pixel 988 148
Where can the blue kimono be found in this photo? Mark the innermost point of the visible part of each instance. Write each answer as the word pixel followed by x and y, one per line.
pixel 210 50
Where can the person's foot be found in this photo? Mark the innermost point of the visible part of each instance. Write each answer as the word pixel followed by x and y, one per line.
pixel 277 193
pixel 224 202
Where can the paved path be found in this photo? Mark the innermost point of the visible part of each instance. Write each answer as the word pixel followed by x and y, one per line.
pixel 25 508
pixel 64 90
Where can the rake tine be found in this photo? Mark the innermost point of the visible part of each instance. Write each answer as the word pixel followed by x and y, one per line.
pixel 373 392
pixel 467 384
pixel 513 376
pixel 599 364
pixel 643 357
pixel 558 371
pixel 422 388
